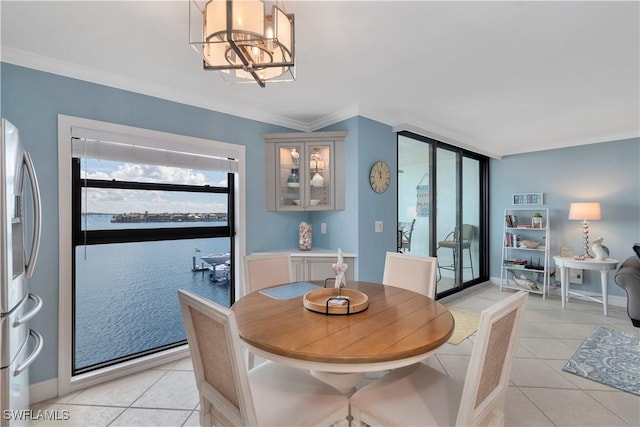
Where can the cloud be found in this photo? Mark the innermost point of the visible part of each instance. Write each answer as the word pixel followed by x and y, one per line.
pixel 126 201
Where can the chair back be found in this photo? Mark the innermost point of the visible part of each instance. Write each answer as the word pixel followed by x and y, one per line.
pixel 405 233
pixel 415 273
pixel 468 232
pixel 221 377
pixel 264 270
pixel 489 368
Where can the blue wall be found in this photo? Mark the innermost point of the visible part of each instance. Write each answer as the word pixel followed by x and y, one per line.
pixel 607 172
pixel 366 143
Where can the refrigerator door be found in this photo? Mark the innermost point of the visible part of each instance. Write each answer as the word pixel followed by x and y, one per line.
pixel 14 329
pixel 11 291
pixel 14 380
pixel 25 167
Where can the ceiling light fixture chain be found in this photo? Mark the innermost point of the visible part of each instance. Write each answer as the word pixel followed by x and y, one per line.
pixel 243 42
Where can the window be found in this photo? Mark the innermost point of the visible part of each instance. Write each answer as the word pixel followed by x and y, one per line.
pixel 135 229
pixel 150 213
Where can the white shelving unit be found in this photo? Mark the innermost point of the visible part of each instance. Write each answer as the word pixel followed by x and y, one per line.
pixel 527 265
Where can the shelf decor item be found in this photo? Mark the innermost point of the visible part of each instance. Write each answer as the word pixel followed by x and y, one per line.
pixel 304 236
pixel 537 221
pixel 601 251
pixel 339 268
pixel 294 178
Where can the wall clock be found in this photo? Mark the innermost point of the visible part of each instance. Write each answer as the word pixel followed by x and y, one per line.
pixel 380 177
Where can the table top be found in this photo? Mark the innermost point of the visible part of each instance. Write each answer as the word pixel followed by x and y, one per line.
pixel 587 263
pixel 398 325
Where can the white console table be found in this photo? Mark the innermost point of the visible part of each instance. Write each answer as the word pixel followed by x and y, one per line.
pixel 565 263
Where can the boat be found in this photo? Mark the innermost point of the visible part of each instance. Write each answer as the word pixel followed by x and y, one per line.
pixel 216 259
pixel 220 273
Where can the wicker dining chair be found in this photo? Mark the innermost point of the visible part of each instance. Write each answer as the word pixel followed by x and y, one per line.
pixel 264 270
pixel 269 395
pixel 422 395
pixel 415 273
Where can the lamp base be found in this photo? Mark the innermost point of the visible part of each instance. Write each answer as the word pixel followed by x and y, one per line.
pixel 585 232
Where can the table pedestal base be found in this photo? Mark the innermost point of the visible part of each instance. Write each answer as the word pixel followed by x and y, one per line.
pixel 345 382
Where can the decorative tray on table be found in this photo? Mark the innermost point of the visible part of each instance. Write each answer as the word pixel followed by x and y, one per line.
pixel 335 301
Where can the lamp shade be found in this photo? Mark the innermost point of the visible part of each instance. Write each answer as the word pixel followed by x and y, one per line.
pixel 585 211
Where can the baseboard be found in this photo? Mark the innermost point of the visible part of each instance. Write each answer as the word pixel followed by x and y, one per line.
pixel 614 300
pixel 44 390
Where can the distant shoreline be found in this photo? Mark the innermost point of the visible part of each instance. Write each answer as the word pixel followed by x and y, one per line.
pixel 168 217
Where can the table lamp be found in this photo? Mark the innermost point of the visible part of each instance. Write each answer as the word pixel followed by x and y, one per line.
pixel 584 212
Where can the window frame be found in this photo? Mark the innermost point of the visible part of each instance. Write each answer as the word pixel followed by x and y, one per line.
pixel 66 382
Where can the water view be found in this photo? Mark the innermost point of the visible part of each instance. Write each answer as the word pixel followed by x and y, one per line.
pixel 126 293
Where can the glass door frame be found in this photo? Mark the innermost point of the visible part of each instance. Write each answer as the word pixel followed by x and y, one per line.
pixel 483 223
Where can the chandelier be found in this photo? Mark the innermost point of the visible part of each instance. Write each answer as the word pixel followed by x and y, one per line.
pixel 243 42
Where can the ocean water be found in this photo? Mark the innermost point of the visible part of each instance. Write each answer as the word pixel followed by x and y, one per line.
pixel 126 294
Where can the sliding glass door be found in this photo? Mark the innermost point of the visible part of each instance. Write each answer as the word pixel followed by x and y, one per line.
pixel 443 202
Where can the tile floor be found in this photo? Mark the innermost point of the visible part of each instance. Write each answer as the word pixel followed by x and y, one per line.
pixel 540 393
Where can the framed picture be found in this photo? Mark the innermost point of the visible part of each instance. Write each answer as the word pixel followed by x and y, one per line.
pixel 527 199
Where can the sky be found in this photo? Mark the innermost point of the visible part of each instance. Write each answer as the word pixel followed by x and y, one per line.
pixel 132 201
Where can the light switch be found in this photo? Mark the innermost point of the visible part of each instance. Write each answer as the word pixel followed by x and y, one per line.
pixel 323 228
pixel 378 226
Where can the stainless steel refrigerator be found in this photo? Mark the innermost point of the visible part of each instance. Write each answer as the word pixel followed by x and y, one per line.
pixel 19 239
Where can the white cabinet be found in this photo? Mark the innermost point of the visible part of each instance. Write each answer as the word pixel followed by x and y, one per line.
pixel 304 171
pixel 525 250
pixel 319 267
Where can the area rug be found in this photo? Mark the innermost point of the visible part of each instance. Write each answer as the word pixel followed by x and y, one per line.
pixel 609 357
pixel 466 323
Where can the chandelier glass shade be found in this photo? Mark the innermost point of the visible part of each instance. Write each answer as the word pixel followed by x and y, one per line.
pixel 239 39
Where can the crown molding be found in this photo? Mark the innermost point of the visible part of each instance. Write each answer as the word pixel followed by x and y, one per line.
pixel 333 118
pixel 97 76
pixel 451 141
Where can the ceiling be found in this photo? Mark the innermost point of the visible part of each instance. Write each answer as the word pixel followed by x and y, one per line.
pixel 500 78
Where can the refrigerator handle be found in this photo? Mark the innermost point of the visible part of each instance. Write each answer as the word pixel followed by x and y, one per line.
pixel 35 191
pixel 36 308
pixel 34 354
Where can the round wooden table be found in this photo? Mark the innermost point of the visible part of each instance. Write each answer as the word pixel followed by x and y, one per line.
pixel 399 328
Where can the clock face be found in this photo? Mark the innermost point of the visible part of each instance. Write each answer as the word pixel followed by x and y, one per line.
pixel 380 177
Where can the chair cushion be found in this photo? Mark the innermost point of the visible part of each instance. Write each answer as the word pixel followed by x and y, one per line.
pixel 415 395
pixel 302 400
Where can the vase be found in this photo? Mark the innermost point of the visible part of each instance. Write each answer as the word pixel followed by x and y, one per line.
pixel 294 179
pixel 304 237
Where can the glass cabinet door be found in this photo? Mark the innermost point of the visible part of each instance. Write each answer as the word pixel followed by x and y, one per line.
pixel 320 176
pixel 290 187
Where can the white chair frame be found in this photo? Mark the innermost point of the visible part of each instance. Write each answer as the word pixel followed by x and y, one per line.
pixel 422 395
pixel 415 273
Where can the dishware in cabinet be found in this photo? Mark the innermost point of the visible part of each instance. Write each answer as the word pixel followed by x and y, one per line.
pixel 304 171
pixel 525 250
